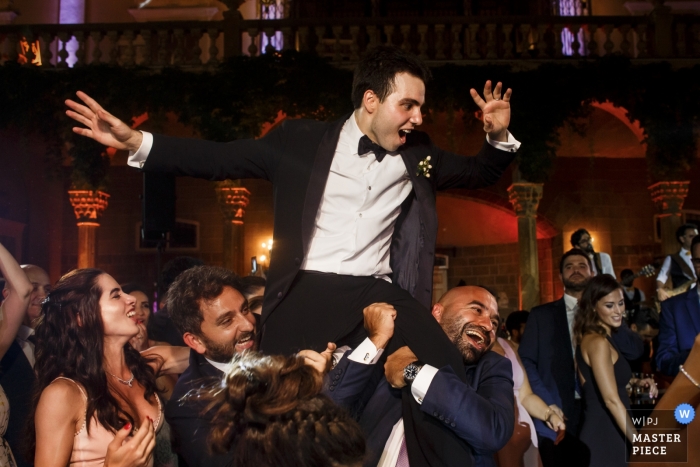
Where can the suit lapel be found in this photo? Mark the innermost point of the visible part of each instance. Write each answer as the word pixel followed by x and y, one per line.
pixel 411 157
pixel 318 179
pixel 694 308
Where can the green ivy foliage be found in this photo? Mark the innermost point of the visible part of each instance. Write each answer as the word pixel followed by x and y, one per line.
pixel 236 99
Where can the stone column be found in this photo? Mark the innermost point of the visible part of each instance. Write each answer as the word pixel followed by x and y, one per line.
pixel 668 199
pixel 525 198
pixel 233 199
pixel 88 206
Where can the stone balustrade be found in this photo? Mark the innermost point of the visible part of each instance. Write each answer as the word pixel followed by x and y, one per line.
pixel 202 44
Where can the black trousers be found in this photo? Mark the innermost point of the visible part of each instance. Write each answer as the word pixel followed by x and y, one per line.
pixel 323 307
pixel 571 451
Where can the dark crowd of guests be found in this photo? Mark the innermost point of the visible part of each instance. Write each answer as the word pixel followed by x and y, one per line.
pixel 92 373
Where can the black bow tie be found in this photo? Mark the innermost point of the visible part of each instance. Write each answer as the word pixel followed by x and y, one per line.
pixel 366 145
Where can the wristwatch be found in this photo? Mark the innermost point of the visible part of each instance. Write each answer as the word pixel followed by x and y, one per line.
pixel 411 371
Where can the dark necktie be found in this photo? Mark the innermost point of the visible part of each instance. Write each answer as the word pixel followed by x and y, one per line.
pixel 366 145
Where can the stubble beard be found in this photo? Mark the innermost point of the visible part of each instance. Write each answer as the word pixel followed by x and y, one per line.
pixel 455 330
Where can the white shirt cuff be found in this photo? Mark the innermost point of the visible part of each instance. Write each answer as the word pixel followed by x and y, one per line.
pixel 138 158
pixel 422 382
pixel 366 353
pixel 511 145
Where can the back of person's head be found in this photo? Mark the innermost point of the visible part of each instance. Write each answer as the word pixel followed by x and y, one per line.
pixel 251 285
pixel 586 318
pixel 191 289
pixel 377 70
pixel 696 241
pixel 625 274
pixel 177 266
pixel 576 237
pixel 516 319
pixel 134 287
pixel 644 317
pixel 680 231
pixel 269 413
pixel 574 252
pixel 70 343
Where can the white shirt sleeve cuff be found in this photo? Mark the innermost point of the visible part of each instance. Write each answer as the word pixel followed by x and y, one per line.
pixel 366 353
pixel 512 145
pixel 138 158
pixel 422 382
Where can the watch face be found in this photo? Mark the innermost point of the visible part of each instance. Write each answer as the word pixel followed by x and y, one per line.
pixel 410 372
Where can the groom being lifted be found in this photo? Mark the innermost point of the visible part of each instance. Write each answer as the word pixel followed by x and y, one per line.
pixel 355 219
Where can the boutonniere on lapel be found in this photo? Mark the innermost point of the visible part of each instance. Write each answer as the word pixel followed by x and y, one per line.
pixel 424 168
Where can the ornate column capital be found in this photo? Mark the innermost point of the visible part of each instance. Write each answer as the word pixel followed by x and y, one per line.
pixel 88 205
pixel 525 197
pixel 233 199
pixel 668 197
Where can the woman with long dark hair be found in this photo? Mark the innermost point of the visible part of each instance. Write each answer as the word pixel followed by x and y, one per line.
pixel 604 373
pixel 95 402
pixel 270 413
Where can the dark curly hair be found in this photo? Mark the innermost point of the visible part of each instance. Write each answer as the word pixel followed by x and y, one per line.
pixel 378 69
pixel 269 413
pixel 586 319
pixel 70 343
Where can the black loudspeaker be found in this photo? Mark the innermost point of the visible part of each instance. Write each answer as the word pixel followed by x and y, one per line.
pixel 157 205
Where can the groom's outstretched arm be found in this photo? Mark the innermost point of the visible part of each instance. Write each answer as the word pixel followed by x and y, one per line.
pixel 244 158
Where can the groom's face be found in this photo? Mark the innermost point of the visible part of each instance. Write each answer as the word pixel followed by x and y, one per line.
pixel 400 112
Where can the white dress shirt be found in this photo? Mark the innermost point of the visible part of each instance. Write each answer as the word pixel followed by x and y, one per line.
pixel 571 309
pixel 360 204
pixel 605 264
pixel 368 354
pixel 666 267
pixel 23 334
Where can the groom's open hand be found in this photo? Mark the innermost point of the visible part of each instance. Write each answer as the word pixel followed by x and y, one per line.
pixel 102 126
pixel 495 107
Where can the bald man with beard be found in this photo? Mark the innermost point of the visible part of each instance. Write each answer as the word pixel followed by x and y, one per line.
pixel 478 413
pixel 16 367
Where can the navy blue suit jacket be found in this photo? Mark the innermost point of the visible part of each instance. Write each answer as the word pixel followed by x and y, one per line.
pixel 479 412
pixel 545 350
pixel 679 324
pixel 189 424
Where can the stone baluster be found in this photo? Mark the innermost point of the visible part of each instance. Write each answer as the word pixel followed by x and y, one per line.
pixel 440 42
pixel 179 52
pixel 81 52
pixel 63 38
pixel 113 38
pixel 337 46
pixel 96 37
pixel 405 37
pixel 507 42
pixel 456 52
pixel 525 38
pixel 558 44
pixel 320 45
pixel 162 53
pixel 541 42
pixel 196 58
pixel 354 44
pixel 525 198
pixel 253 47
pixel 288 38
pixel 680 39
pixel 592 46
pixel 213 34
pixel 696 39
pixel 373 34
pixel 13 47
pixel 88 207
pixel 389 31
pixel 474 41
pixel 641 31
pixel 304 39
pixel 491 41
pixel 423 44
pixel 575 45
pixel 233 199
pixel 46 38
pixel 625 44
pixel 608 45
pixel 129 55
pixel 668 198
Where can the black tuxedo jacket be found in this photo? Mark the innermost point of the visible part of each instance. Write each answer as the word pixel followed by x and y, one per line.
pixel 296 157
pixel 545 350
pixel 17 379
pixel 189 424
pixel 479 413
